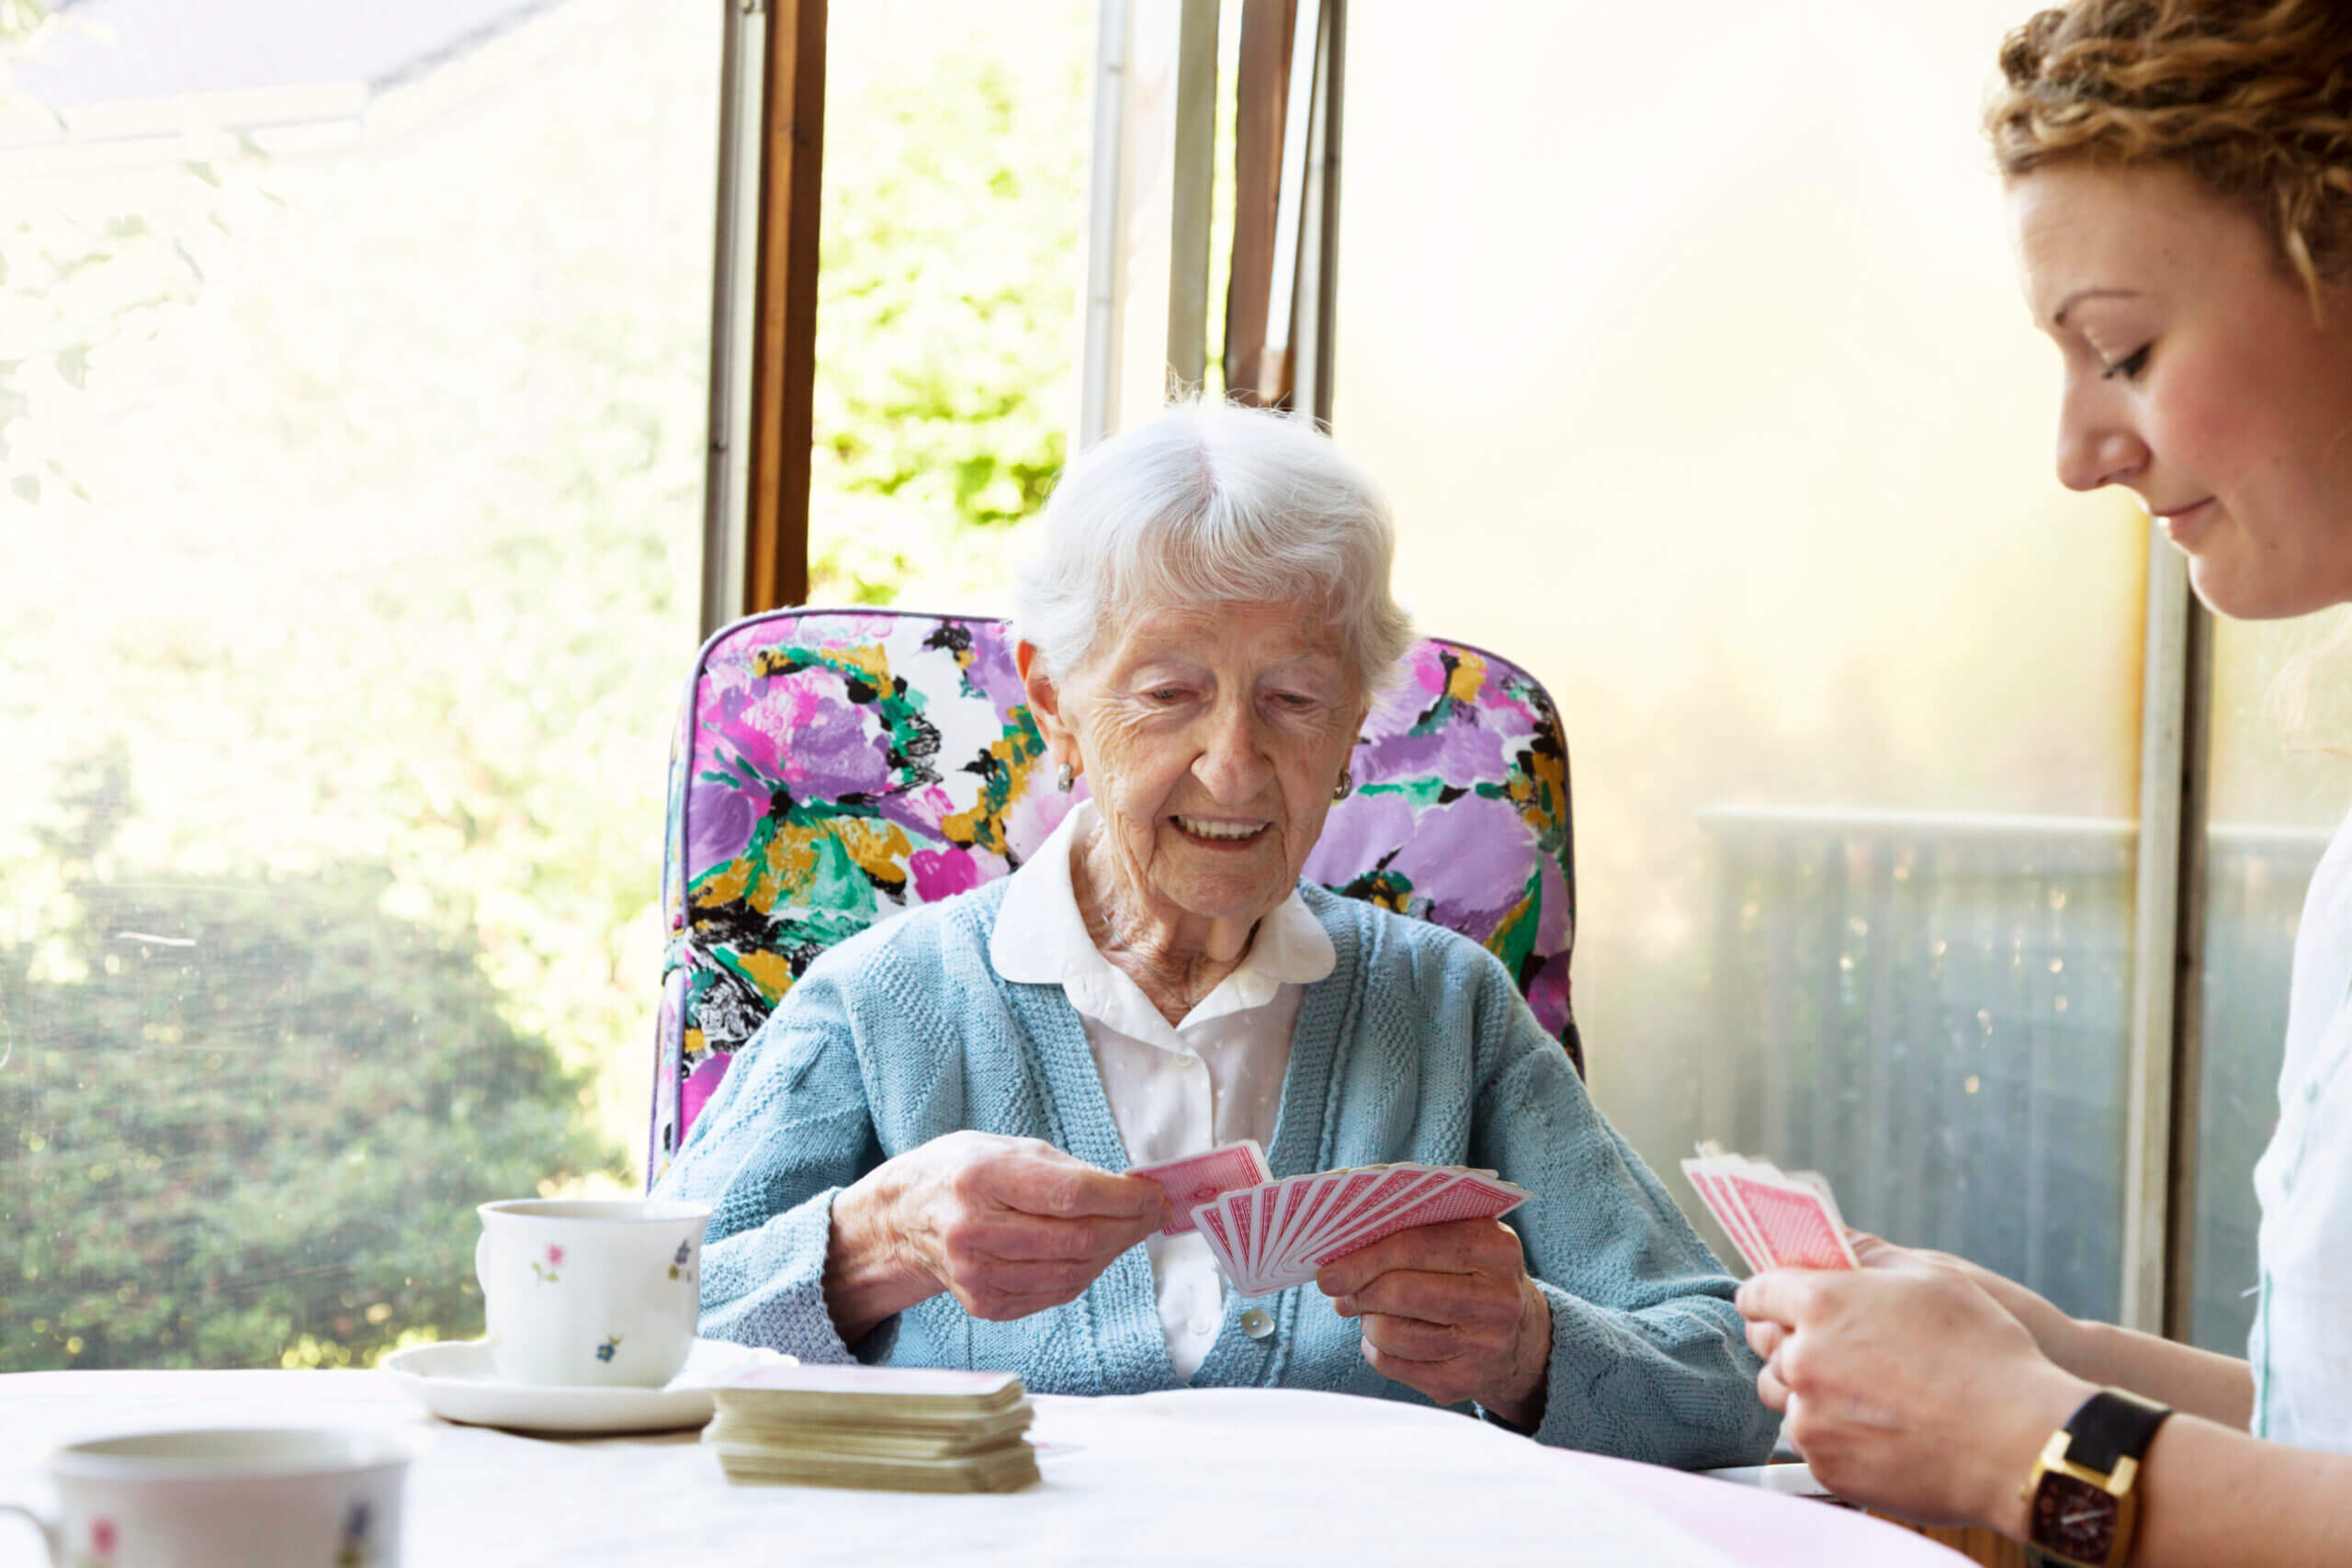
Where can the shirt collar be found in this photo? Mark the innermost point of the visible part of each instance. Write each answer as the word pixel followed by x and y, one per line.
pixel 1041 939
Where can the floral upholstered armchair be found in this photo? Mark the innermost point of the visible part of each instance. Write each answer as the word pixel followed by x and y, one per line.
pixel 834 767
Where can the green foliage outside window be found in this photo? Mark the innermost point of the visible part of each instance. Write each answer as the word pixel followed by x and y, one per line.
pixel 947 294
pixel 251 1126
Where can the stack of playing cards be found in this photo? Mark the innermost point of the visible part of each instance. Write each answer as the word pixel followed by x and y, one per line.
pixel 1778 1219
pixel 879 1429
pixel 1268 1235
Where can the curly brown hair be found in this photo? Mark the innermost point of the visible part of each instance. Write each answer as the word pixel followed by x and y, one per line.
pixel 2251 97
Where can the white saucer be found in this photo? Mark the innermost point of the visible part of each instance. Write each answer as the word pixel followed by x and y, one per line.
pixel 457 1380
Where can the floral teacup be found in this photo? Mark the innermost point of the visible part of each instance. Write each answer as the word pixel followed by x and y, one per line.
pixel 229 1498
pixel 591 1292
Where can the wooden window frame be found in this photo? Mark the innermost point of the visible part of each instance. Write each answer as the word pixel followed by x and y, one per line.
pixel 784 374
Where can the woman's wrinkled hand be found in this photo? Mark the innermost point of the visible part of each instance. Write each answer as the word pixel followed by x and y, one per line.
pixel 1009 1227
pixel 1906 1386
pixel 1448 1310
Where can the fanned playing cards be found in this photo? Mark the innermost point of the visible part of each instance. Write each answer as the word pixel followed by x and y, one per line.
pixel 1776 1218
pixel 1268 1235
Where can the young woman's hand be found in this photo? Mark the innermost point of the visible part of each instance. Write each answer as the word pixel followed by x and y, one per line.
pixel 1907 1387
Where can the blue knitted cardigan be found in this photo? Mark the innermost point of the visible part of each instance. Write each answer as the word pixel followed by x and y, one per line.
pixel 1415 1048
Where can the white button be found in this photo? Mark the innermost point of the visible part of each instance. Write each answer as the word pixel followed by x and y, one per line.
pixel 1257 1323
pixel 1187 1061
pixel 1202 1324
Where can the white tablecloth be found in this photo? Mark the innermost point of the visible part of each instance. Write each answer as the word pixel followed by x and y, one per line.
pixel 1220 1477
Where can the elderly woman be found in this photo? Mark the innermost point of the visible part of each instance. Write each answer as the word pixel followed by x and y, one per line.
pixel 918 1160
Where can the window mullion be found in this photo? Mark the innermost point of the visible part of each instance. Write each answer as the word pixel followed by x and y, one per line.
pixel 2159 1131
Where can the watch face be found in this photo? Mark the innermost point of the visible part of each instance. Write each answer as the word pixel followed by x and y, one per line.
pixel 2073 1518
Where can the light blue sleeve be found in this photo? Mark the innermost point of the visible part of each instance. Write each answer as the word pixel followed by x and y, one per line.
pixel 1649 1358
pixel 788 1129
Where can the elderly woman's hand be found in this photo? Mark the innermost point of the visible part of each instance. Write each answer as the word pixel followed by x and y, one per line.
pixel 1008 1226
pixel 1906 1386
pixel 1449 1310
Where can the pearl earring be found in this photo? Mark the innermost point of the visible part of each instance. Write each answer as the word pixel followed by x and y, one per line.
pixel 1345 787
pixel 1064 777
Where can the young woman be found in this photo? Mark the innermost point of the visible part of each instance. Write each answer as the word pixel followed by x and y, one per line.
pixel 2180 180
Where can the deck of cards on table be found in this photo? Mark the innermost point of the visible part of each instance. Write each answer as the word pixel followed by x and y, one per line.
pixel 1776 1218
pixel 1268 1235
pixel 878 1428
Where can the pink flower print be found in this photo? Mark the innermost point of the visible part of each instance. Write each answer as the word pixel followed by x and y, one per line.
pixel 546 1271
pixel 102 1537
pixel 764 725
pixel 943 873
pixel 555 1257
pixel 1429 668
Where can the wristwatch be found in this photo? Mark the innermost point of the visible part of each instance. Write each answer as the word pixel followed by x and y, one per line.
pixel 2081 1501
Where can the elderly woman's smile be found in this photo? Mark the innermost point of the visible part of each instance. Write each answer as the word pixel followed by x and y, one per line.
pixel 1217 832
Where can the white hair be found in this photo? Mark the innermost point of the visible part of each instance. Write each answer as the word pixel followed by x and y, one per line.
pixel 1213 504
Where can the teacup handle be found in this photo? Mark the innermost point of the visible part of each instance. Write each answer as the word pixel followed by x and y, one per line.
pixel 48 1536
pixel 481 1271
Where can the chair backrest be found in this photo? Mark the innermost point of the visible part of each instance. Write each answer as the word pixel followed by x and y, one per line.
pixel 834 767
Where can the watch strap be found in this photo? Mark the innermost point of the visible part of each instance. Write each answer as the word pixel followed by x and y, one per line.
pixel 2112 1425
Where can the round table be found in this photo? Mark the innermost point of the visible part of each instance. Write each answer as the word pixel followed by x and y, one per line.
pixel 1209 1477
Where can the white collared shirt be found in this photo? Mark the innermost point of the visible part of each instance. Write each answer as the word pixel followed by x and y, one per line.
pixel 1174 1090
pixel 2301 1344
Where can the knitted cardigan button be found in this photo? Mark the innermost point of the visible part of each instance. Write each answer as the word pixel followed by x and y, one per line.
pixel 1257 1323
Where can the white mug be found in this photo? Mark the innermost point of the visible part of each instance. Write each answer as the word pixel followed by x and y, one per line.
pixel 228 1497
pixel 591 1292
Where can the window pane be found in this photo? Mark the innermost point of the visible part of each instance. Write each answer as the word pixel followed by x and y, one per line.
pixel 2279 782
pixel 348 560
pixel 955 142
pixel 1717 406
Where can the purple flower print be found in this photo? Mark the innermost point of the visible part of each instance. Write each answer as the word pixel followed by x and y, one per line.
pixel 992 671
pixel 1462 752
pixel 918 811
pixel 721 816
pixel 837 747
pixel 1356 835
pixel 701 1084
pixel 1548 996
pixel 1469 859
